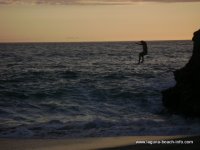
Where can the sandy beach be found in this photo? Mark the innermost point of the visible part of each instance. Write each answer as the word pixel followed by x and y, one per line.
pixel 102 143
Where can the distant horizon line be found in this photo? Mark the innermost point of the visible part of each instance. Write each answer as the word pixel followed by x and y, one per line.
pixel 18 42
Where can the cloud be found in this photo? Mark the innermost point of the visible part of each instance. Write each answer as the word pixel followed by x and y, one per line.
pixel 85 2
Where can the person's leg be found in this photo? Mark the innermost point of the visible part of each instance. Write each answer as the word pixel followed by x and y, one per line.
pixel 142 59
pixel 140 55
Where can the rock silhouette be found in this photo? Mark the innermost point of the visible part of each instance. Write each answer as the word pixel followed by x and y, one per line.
pixel 184 97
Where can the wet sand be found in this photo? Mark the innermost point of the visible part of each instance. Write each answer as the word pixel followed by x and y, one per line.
pixel 102 143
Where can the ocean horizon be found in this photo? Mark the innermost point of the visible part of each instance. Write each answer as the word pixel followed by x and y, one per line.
pixel 107 41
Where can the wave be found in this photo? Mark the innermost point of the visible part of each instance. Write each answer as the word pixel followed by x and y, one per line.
pixel 87 89
pixel 114 76
pixel 68 74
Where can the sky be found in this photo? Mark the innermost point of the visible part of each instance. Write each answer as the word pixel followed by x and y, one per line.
pixel 97 20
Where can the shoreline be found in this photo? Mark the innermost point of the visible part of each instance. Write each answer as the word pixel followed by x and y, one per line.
pixel 97 143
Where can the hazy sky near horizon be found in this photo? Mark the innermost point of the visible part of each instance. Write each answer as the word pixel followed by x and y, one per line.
pixel 69 2
pixel 97 20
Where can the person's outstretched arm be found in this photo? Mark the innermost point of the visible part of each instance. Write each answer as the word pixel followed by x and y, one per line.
pixel 138 43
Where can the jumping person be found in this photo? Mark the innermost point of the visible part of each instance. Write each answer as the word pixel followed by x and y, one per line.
pixel 144 52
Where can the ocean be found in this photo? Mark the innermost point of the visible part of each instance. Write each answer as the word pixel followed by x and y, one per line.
pixel 94 89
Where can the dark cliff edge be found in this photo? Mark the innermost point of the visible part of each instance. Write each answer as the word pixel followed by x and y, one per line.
pixel 184 97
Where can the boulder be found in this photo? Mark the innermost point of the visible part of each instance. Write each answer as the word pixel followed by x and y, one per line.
pixel 184 97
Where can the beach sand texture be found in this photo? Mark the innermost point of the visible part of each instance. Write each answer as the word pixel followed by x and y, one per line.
pixel 102 143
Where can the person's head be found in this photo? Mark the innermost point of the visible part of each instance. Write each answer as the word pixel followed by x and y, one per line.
pixel 142 42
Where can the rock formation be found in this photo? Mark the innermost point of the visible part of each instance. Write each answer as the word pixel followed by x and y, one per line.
pixel 184 97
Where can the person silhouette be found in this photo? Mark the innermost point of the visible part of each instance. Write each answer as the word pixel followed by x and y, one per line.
pixel 144 52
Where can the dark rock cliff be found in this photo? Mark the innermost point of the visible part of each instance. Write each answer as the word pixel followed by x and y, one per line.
pixel 184 97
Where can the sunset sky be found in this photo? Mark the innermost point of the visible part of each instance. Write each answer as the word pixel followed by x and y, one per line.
pixel 97 20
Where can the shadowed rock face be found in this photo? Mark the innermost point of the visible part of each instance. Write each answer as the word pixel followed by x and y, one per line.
pixel 184 97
